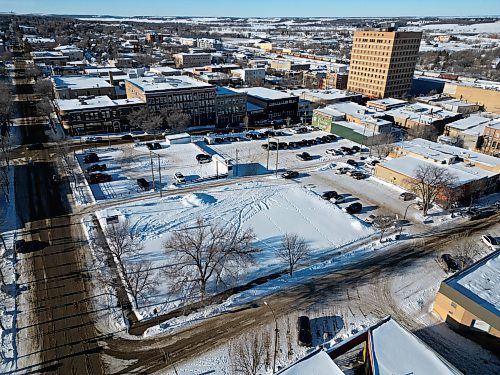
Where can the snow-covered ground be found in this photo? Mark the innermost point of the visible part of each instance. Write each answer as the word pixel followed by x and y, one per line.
pixel 271 208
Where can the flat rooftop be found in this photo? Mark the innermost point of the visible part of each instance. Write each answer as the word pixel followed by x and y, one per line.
pixel 265 93
pixel 388 102
pixel 79 82
pixel 102 101
pixel 160 83
pixel 326 95
pixel 468 122
pixel 480 282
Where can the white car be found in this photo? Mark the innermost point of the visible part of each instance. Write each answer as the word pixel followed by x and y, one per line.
pixel 491 242
pixel 179 177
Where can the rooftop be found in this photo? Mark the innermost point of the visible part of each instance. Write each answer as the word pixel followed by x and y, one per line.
pixel 265 93
pixel 468 122
pixel 422 113
pixel 79 82
pixel 480 282
pixel 92 102
pixel 326 95
pixel 388 102
pixel 221 90
pixel 160 83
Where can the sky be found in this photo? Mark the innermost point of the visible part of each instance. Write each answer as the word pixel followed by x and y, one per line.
pixel 257 8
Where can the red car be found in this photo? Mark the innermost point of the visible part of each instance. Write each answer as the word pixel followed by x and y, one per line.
pixel 97 178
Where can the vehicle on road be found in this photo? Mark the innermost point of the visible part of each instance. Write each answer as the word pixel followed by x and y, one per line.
pixel 143 184
pixel 359 175
pixel 98 178
pixel 96 168
pixel 290 174
pixel 304 156
pixel 354 208
pixel 127 137
pixel 406 196
pixel 304 336
pixel 491 242
pixel 93 139
pixel 203 158
pixel 90 158
pixel 179 177
pixel 327 195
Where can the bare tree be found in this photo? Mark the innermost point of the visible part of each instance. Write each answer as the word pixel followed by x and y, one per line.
pixel 466 249
pixel 44 108
pixel 121 243
pixel 146 120
pixel 44 89
pixel 383 223
pixel 428 182
pixel 5 102
pixel 381 144
pixel 32 72
pixel 247 355
pixel 206 252
pixel 293 249
pixel 176 120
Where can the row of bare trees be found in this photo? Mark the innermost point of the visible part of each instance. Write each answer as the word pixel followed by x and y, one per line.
pixel 202 257
pixel 151 122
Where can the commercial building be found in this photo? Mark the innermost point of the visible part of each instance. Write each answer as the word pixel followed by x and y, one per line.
pixel 484 93
pixel 325 97
pixel 230 106
pixel 491 139
pixel 467 132
pixel 469 299
pixel 70 87
pixel 386 104
pixel 183 93
pixel 474 174
pixel 189 60
pixel 49 57
pixel 210 44
pixel 335 80
pixel 95 113
pixel 450 104
pixel 275 105
pixel 253 76
pixel 289 65
pixel 383 62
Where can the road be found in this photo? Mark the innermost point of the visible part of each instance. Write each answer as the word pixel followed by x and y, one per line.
pixel 55 334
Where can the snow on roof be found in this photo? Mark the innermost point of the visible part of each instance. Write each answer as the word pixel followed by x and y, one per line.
pixel 388 101
pixel 316 363
pixel 178 136
pixel 79 82
pixel 331 94
pixel 220 90
pixel 407 165
pixel 265 93
pixel 438 151
pixel 93 102
pixel 161 83
pixel 423 113
pixel 468 122
pixel 481 282
pixel 397 351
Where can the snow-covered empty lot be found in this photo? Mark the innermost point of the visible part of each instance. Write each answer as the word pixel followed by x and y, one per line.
pixel 272 208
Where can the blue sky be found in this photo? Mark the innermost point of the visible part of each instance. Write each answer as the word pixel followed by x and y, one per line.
pixel 257 8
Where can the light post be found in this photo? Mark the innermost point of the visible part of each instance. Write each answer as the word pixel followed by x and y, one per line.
pixel 404 217
pixel 156 312
pixel 275 336
pixel 159 171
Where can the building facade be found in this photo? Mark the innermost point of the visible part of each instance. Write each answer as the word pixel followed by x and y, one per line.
pixel 230 106
pixel 182 93
pixel 71 87
pixel 383 62
pixel 491 139
pixel 190 60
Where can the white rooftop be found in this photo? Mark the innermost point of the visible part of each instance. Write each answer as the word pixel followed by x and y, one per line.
pixel 408 165
pixel 481 283
pixel 79 82
pixel 438 152
pixel 92 102
pixel 468 122
pixel 161 83
pixel 265 93
pixel 397 351
pixel 422 113
pixel 316 363
pixel 327 95
pixel 356 110
pixel 388 101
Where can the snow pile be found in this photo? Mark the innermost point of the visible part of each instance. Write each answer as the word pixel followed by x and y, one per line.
pixel 198 199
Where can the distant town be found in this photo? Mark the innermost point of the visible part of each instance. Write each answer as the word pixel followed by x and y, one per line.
pixel 254 196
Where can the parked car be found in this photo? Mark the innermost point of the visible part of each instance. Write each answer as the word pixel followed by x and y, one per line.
pixel 127 137
pixel 150 146
pixel 352 162
pixel 319 140
pixel 359 175
pixel 371 219
pixel 96 168
pixel 157 146
pixel 327 195
pixel 98 178
pixel 354 208
pixel 406 196
pixel 304 143
pixel 203 158
pixel 374 162
pixel 143 184
pixel 290 174
pixel 304 156
pixel 293 145
pixel 93 139
pixel 35 146
pixel 179 177
pixel 331 151
pixel 351 172
pixel 342 170
pixel 265 146
pixel 282 145
pixel 356 148
pixel 491 242
pixel 450 262
pixel 91 158
pixel 304 331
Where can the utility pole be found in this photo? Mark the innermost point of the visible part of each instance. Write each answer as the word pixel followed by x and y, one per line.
pixel 152 169
pixel 277 155
pixel 237 163
pixel 159 174
pixel 267 164
pixel 275 336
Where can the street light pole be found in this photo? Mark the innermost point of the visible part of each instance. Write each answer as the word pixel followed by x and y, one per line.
pixel 404 217
pixel 267 164
pixel 159 174
pixel 152 170
pixel 277 155
pixel 275 336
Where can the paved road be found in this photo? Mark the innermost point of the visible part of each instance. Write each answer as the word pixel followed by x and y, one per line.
pixel 56 334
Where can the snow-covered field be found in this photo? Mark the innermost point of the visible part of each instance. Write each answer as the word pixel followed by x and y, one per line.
pixel 272 208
